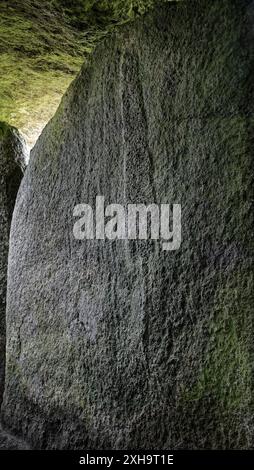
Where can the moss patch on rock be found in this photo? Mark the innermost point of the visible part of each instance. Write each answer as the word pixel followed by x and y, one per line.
pixel 42 46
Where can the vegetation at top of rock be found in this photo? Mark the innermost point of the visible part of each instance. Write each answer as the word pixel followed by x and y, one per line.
pixel 42 46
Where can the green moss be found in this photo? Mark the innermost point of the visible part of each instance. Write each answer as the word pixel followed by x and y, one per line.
pixel 42 46
pixel 101 12
pixel 39 58
pixel 226 373
pixel 3 130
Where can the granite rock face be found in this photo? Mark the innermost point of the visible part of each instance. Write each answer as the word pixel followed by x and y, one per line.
pixel 120 344
pixel 12 165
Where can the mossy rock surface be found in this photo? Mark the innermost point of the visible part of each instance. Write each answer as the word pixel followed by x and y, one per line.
pixel 42 47
pixel 121 345
pixel 12 165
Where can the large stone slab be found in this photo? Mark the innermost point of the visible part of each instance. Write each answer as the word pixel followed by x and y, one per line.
pixel 12 164
pixel 119 344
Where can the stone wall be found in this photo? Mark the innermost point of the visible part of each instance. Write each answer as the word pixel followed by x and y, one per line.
pixel 12 164
pixel 119 344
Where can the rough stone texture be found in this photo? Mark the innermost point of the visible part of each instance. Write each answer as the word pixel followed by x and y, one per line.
pixel 42 47
pixel 122 345
pixel 12 164
pixel 9 442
